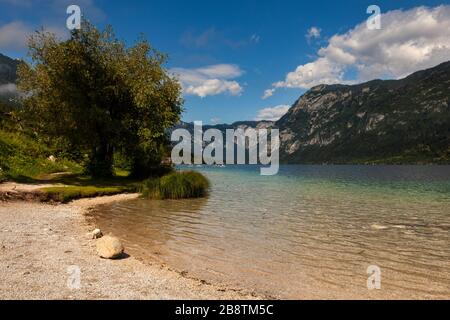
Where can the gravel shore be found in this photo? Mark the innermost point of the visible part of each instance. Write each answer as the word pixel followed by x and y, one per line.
pixel 42 247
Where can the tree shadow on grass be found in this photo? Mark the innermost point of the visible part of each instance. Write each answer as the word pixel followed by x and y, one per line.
pixel 79 180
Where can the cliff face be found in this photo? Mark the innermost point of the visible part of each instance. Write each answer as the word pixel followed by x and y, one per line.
pixel 394 121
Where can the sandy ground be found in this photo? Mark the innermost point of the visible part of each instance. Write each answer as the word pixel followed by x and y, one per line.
pixel 42 247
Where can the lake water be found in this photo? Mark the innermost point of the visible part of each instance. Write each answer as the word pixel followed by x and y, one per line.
pixel 308 232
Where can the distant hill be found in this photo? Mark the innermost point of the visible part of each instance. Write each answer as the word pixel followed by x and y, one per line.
pixel 222 127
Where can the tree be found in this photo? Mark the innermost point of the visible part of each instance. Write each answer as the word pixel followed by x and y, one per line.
pixel 101 96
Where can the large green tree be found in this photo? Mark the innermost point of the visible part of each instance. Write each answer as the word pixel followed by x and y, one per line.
pixel 101 96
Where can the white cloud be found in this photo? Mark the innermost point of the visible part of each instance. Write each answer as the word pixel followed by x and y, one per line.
pixel 408 41
pixel 227 71
pixel 255 38
pixel 312 74
pixel 210 80
pixel 215 121
pixel 313 33
pixel 273 113
pixel 213 87
pixel 13 36
pixel 49 14
pixel 268 93
pixel 9 88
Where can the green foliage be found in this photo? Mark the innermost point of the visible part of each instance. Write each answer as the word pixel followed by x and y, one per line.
pixel 7 114
pixel 22 158
pixel 3 176
pixel 176 185
pixel 147 158
pixel 100 96
pixel 69 193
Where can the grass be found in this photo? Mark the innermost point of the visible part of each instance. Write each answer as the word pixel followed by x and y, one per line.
pixel 3 177
pixel 23 159
pixel 176 185
pixel 75 186
pixel 66 194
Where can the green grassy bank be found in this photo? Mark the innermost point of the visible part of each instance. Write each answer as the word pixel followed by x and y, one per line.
pixel 22 159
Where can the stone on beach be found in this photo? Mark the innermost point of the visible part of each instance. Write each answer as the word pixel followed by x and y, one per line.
pixel 96 234
pixel 109 247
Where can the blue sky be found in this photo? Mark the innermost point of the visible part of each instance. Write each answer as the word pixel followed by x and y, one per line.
pixel 228 53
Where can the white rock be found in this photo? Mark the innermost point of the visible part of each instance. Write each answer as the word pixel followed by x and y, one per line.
pixel 96 234
pixel 109 247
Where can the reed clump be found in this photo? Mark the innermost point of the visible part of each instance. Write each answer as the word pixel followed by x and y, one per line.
pixel 176 185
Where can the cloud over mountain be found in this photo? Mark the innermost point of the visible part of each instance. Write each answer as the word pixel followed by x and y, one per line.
pixel 273 113
pixel 408 41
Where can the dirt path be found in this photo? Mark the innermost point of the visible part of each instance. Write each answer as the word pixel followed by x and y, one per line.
pixel 42 246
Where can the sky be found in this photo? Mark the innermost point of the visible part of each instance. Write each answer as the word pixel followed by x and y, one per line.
pixel 251 60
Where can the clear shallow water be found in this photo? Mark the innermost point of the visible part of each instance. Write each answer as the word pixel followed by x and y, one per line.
pixel 308 232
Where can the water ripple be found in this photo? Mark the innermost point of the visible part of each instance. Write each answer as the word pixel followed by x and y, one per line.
pixel 310 232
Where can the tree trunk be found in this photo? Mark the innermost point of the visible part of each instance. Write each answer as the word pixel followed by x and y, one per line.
pixel 101 161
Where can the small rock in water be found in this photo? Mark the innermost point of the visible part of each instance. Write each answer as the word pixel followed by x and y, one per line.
pixel 96 234
pixel 109 247
pixel 378 227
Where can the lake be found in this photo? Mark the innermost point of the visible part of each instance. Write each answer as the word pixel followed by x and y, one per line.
pixel 308 232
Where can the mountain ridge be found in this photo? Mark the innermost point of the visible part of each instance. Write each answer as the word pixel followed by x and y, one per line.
pixel 405 121
pixel 378 121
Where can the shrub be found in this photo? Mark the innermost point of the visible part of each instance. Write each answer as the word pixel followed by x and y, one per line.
pixel 176 185
pixel 3 177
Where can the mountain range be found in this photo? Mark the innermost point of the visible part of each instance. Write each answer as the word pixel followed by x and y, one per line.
pixel 380 121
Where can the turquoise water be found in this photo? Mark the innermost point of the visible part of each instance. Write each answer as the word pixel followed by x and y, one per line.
pixel 308 232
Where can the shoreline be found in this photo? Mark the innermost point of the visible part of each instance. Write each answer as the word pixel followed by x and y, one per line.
pixel 39 242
